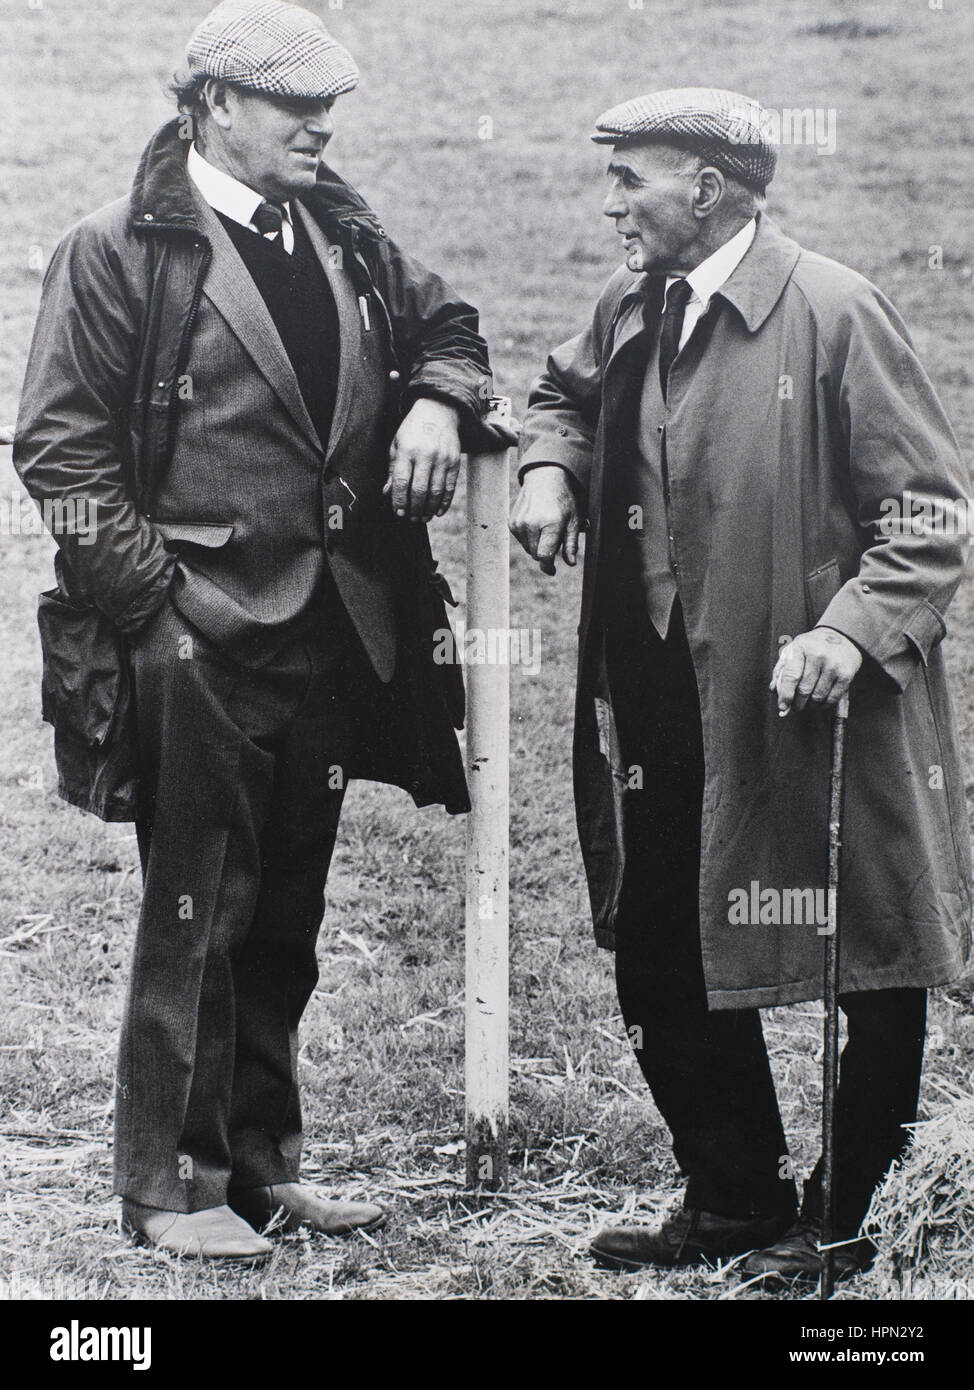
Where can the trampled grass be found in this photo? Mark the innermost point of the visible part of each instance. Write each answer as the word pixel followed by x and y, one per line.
pixel 514 221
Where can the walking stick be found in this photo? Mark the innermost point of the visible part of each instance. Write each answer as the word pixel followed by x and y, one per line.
pixel 830 1064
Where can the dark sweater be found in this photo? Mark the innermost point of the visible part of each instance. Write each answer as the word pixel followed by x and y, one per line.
pixel 298 296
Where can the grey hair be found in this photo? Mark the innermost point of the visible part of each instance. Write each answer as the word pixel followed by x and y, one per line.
pixel 741 199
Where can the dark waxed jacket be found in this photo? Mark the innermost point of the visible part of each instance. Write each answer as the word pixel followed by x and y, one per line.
pixel 99 417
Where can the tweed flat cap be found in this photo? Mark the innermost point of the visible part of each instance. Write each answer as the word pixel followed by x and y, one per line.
pixel 271 47
pixel 729 130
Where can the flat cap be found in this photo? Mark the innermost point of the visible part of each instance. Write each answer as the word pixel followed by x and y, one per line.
pixel 729 130
pixel 271 47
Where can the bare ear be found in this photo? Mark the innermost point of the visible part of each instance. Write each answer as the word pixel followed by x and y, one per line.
pixel 217 96
pixel 708 190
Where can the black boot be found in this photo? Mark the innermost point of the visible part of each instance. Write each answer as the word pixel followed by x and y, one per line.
pixel 797 1258
pixel 690 1236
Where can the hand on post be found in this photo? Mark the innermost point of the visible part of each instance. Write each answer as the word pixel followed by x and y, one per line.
pixel 424 461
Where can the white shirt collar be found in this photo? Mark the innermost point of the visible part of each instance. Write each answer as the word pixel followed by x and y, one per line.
pixel 706 278
pixel 223 192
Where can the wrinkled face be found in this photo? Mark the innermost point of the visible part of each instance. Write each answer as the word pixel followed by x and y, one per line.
pixel 275 144
pixel 651 200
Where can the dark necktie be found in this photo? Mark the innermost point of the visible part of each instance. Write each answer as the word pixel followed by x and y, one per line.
pixel 269 219
pixel 677 297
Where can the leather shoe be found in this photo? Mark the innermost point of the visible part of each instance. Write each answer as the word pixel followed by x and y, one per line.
pixel 690 1236
pixel 796 1257
pixel 297 1205
pixel 213 1234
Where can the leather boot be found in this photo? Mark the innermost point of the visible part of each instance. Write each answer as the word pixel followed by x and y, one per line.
pixel 296 1205
pixel 796 1257
pixel 213 1234
pixel 689 1236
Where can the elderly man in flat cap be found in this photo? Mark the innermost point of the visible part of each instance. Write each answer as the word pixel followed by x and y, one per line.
pixel 729 428
pixel 263 401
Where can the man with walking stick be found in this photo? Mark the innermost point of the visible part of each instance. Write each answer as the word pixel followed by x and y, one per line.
pixel 260 400
pixel 739 428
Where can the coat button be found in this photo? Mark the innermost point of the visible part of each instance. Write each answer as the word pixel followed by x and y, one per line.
pixel 866 589
pixel 660 429
pixel 147 217
pixel 563 431
pixel 393 376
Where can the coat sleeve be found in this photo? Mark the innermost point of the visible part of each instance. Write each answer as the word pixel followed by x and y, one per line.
pixel 68 445
pixel 437 337
pixel 899 447
pixel 566 401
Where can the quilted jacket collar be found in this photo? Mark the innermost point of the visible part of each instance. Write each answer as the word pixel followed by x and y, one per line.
pixel 162 198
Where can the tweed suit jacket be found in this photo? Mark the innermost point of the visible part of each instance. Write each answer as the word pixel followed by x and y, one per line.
pixel 248 502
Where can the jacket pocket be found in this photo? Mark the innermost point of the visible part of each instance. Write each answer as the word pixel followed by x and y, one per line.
pixel 86 693
pixel 821 587
pixel 82 676
pixel 210 534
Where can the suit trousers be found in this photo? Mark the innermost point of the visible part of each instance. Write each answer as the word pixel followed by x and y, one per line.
pixel 708 1070
pixel 244 767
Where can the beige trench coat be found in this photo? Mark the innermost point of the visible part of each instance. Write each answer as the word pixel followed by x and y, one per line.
pixel 789 429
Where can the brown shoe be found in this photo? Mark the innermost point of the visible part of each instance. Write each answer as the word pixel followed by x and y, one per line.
pixel 213 1234
pixel 797 1258
pixel 296 1205
pixel 688 1237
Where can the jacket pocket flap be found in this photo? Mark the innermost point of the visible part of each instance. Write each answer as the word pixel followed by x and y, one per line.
pixel 821 587
pixel 209 533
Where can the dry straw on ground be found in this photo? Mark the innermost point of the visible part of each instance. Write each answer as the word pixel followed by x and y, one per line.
pixel 924 1212
pixel 514 223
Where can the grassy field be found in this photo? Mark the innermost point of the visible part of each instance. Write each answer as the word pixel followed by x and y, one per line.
pixel 514 221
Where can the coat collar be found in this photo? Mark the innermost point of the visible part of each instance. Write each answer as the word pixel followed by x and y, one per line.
pixel 759 281
pixel 755 286
pixel 162 192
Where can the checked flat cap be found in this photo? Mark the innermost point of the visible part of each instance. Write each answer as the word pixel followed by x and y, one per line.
pixel 729 130
pixel 271 47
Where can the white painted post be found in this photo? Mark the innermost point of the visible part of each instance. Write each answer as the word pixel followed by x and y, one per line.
pixel 488 743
